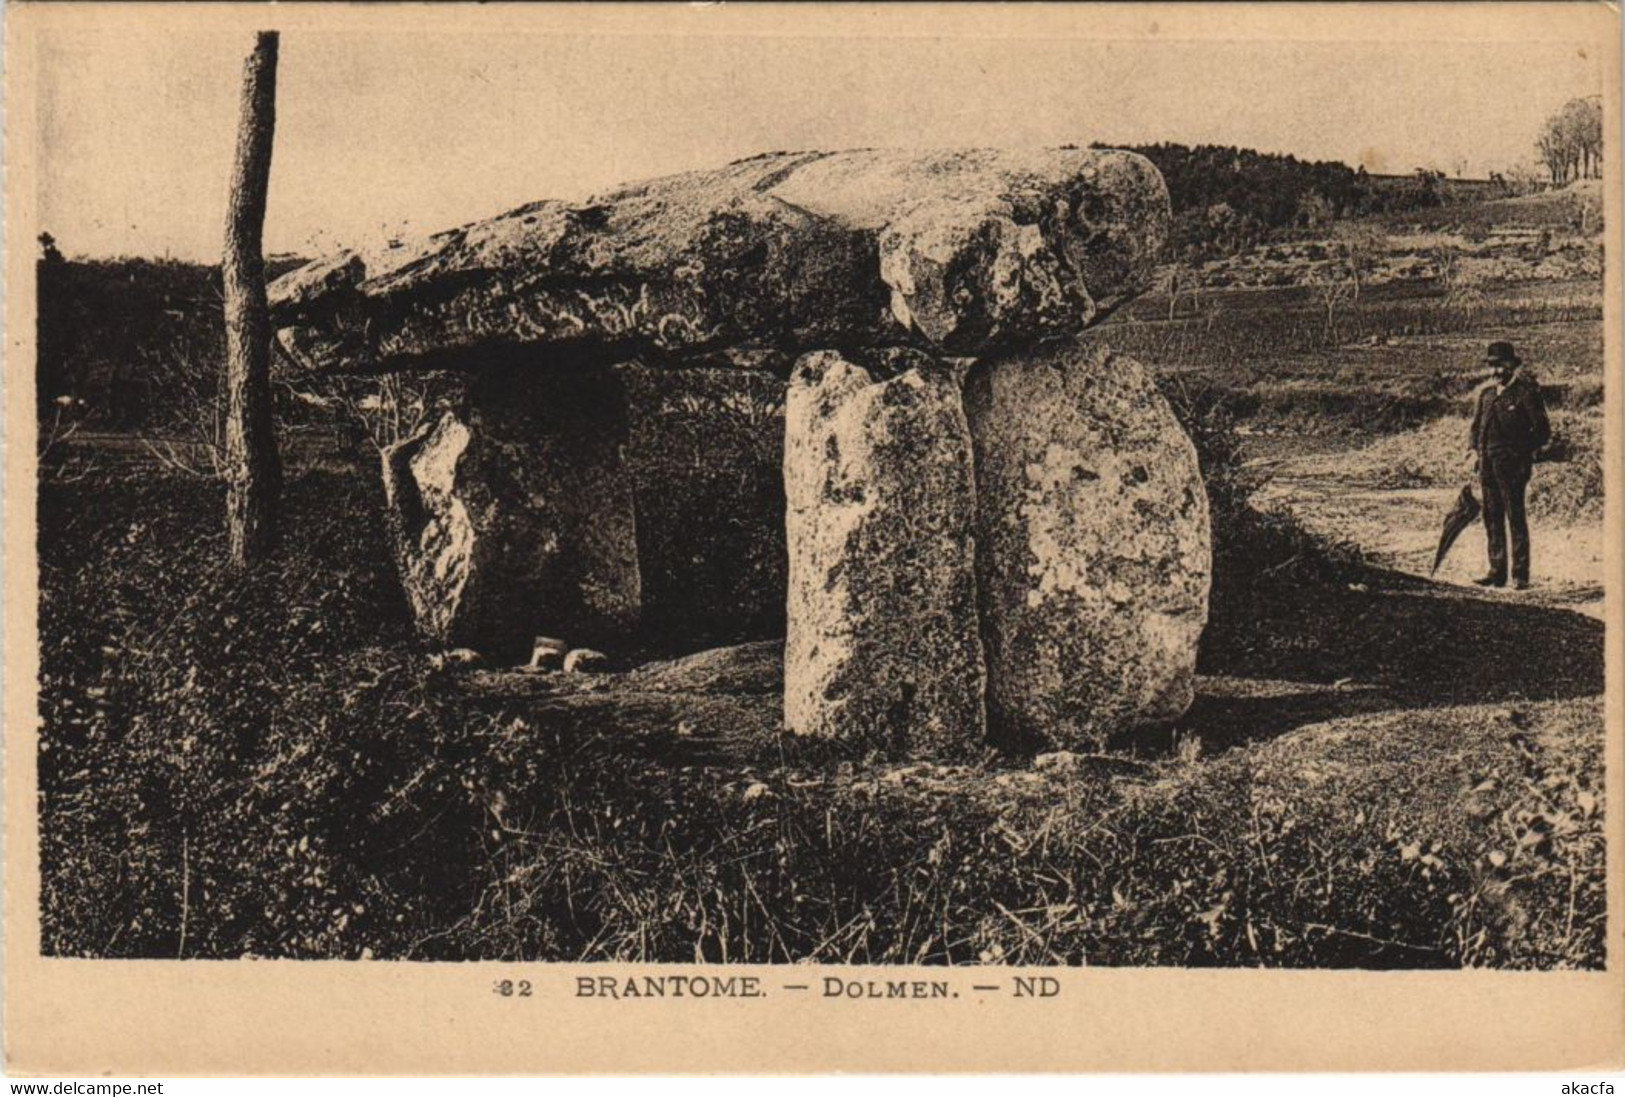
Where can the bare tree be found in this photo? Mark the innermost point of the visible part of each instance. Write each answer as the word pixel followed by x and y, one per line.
pixel 1333 289
pixel 1522 178
pixel 1355 250
pixel 386 408
pixel 253 468
pixel 1176 283
pixel 1358 246
pixel 191 437
pixel 1553 152
pixel 1570 142
pixel 56 460
pixel 1445 267
pixel 1580 122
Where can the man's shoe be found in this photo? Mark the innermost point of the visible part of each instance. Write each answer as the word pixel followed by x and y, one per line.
pixel 1492 581
pixel 1520 584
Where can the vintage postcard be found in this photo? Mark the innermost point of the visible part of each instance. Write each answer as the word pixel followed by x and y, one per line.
pixel 799 538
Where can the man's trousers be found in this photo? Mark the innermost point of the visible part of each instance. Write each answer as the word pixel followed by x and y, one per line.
pixel 1504 478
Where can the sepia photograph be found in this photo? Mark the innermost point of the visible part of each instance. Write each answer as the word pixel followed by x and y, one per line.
pixel 823 499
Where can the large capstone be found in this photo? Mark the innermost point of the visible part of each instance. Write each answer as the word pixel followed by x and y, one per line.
pixel 961 250
pixel 513 516
pixel 1092 546
pixel 882 651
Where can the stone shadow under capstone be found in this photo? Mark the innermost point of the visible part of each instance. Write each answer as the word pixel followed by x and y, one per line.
pixel 513 506
pixel 635 508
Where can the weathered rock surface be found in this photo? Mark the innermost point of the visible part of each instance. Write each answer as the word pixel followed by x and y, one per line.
pixel 882 650
pixel 1092 543
pixel 547 653
pixel 516 515
pixel 585 661
pixel 959 250
pixel 706 450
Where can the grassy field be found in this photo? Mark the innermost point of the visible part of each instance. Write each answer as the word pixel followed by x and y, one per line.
pixel 1379 770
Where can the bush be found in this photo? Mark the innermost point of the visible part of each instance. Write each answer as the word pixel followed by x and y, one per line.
pixel 135 343
pixel 1567 485
pixel 1568 481
pixel 1250 546
pixel 200 723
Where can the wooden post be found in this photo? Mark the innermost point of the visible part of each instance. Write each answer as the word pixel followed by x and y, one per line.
pixel 253 469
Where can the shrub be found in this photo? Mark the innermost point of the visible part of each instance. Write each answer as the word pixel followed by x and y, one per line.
pixel 1247 543
pixel 197 717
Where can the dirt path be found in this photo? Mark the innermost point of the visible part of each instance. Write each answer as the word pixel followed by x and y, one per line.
pixel 1333 493
pixel 1367 661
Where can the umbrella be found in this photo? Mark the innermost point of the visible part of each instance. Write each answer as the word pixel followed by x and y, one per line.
pixel 1462 515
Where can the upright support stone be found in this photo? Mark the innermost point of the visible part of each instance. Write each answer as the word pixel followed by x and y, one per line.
pixel 1093 547
pixel 515 517
pixel 882 651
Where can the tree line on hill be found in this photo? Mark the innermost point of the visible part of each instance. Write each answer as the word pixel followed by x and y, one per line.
pixel 1570 143
pixel 128 343
pixel 1226 199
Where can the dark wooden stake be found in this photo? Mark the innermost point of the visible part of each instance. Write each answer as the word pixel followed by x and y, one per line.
pixel 253 469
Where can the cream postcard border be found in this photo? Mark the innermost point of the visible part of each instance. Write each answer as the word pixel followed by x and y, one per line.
pixel 171 1018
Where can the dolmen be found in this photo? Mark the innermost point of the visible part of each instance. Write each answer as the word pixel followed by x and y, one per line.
pixel 842 398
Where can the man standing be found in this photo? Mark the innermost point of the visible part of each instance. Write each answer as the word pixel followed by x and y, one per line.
pixel 1509 426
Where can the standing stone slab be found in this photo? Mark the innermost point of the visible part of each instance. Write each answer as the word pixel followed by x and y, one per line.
pixel 1093 547
pixel 882 651
pixel 513 516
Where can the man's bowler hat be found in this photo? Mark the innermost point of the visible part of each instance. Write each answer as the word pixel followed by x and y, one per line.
pixel 1502 354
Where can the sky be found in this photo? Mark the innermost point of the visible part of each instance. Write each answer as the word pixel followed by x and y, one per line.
pixel 386 128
